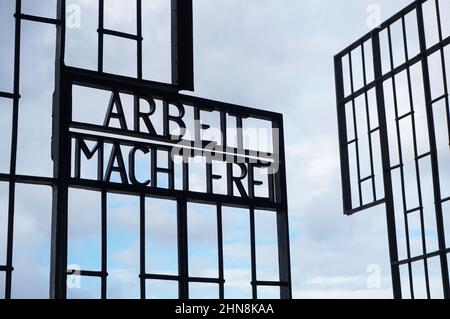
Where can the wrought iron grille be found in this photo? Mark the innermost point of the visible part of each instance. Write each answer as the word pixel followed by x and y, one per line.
pixel 72 142
pixel 393 116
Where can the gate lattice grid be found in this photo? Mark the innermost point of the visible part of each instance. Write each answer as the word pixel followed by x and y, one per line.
pixel 394 115
pixel 68 146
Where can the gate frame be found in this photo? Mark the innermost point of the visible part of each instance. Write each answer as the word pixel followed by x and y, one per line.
pixel 183 78
pixel 61 181
pixel 388 200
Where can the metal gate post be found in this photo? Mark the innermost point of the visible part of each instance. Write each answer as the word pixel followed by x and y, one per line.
pixel 386 162
pixel 61 165
pixel 433 154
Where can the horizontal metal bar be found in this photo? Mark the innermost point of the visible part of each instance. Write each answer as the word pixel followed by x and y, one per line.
pixel 419 157
pixel 177 278
pixel 422 257
pixel 206 280
pixel 33 180
pixel 405 116
pixel 364 207
pixel 160 277
pixel 9 95
pixel 396 167
pixel 374 130
pixel 362 180
pixel 106 81
pixel 206 198
pixel 130 85
pixel 446 199
pixel 37 19
pixel 444 96
pixel 272 283
pixel 352 141
pixel 120 34
pixel 413 210
pixel 164 170
pixel 6 268
pixel 87 273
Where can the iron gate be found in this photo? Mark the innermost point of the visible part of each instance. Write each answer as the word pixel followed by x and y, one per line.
pixel 72 142
pixel 393 115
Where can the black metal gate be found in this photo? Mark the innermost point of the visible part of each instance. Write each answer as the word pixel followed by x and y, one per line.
pixel 70 145
pixel 393 116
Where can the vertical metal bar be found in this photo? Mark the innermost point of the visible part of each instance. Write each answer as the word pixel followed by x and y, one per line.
pixel 223 126
pixel 101 13
pixel 250 180
pixel 13 161
pixel 104 207
pixel 154 170
pixel 139 35
pixel 401 162
pixel 197 125
pixel 253 253
pixel 434 158
pixel 142 246
pixel 100 161
pixel 369 133
pixel 61 155
pixel 416 161
pixel 444 68
pixel 230 185
pixel 77 160
pixel 271 184
pixel 284 255
pixel 183 285
pixel 355 128
pixel 185 173
pixel 240 133
pixel 220 251
pixel 170 171
pixel 342 127
pixel 182 44
pixel 209 179
pixel 390 210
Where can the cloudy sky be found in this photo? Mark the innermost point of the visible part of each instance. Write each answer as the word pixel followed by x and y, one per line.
pixel 270 54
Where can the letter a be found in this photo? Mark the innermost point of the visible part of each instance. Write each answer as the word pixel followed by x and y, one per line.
pixel 119 115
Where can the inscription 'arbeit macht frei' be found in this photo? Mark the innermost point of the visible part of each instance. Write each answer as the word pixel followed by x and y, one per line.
pixel 247 173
